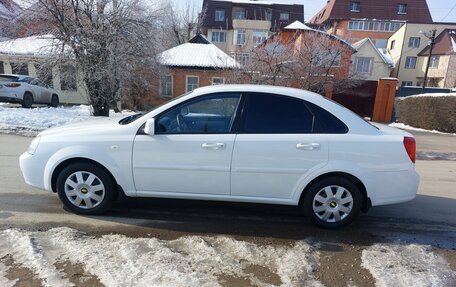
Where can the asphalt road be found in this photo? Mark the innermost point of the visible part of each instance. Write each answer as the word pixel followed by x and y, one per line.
pixel 429 219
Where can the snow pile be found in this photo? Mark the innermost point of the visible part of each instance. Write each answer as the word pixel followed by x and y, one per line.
pixel 407 265
pixel 188 261
pixel 434 95
pixel 31 121
pixel 407 127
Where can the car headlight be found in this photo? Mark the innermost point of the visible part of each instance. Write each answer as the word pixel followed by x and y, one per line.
pixel 32 148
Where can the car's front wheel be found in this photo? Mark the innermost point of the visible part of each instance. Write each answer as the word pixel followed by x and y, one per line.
pixel 332 202
pixel 86 188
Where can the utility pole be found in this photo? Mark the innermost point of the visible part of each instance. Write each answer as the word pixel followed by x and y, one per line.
pixel 432 42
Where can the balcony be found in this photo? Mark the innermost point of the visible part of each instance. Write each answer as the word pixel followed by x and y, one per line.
pixel 251 24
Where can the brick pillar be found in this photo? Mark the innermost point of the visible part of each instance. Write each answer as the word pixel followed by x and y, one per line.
pixel 384 100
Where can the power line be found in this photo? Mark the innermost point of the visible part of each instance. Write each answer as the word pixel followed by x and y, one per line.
pixel 454 6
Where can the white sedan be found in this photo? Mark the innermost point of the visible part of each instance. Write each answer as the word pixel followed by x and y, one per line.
pixel 239 143
pixel 26 90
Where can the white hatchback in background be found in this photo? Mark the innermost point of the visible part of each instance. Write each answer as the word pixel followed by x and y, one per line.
pixel 26 90
pixel 241 143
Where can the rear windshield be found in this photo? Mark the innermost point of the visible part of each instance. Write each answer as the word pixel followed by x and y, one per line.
pixel 9 79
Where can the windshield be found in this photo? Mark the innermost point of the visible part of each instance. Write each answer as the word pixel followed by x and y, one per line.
pixel 132 118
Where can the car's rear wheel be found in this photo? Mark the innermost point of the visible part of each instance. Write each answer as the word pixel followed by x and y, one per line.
pixel 333 202
pixel 27 100
pixel 86 188
pixel 55 101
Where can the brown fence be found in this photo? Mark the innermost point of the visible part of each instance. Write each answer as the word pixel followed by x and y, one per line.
pixel 360 99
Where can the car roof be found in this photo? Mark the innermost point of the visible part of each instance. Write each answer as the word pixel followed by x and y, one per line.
pixel 16 75
pixel 259 89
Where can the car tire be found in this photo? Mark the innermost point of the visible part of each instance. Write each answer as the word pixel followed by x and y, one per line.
pixel 86 188
pixel 54 101
pixel 332 202
pixel 27 100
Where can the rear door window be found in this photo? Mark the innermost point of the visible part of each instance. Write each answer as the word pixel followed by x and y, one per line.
pixel 275 114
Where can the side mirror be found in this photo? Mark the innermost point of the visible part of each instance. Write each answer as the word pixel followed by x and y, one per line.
pixel 149 128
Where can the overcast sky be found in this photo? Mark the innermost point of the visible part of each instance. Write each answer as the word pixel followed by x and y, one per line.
pixel 441 10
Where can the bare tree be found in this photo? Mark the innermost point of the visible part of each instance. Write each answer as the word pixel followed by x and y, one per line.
pixel 308 60
pixel 109 41
pixel 180 24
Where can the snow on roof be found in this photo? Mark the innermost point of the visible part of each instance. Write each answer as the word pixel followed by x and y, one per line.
pixel 297 25
pixel 197 55
pixel 256 2
pixel 33 45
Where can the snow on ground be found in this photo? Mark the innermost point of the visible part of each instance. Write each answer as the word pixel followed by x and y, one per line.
pixel 30 122
pixel 407 265
pixel 410 128
pixel 429 95
pixel 188 261
pixel 117 260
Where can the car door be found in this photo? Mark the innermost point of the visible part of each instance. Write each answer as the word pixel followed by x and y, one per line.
pixel 36 90
pixel 45 92
pixel 191 149
pixel 275 147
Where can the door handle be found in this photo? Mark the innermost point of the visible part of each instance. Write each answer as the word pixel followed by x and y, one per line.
pixel 308 146
pixel 213 146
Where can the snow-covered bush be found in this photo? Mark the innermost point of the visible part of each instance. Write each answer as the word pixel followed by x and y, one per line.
pixel 428 111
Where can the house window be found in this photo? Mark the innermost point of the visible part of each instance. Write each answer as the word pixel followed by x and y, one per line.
pixel 401 8
pixel 406 83
pixel 259 37
pixel 192 82
pixel 219 15
pixel 363 65
pixel 434 63
pixel 355 7
pixel 242 58
pixel 268 14
pixel 218 37
pixel 239 37
pixel 68 80
pixel 239 13
pixel 410 62
pixel 284 16
pixel 218 81
pixel 2 69
pixel 19 68
pixel 166 86
pixel 414 42
pixel 393 44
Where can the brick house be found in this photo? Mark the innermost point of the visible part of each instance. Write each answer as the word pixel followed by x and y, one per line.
pixel 301 39
pixel 194 64
pixel 377 20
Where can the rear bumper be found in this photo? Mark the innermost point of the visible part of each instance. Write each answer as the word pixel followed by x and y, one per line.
pixel 9 97
pixel 393 187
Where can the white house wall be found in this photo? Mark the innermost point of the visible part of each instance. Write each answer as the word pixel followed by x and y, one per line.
pixel 80 96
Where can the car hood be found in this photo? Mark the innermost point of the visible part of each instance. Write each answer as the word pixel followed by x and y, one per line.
pixel 92 126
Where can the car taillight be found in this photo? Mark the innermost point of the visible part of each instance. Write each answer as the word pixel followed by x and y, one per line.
pixel 410 147
pixel 12 85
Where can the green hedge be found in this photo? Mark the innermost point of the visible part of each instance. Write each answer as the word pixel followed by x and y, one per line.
pixel 426 112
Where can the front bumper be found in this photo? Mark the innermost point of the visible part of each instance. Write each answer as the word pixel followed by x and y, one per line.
pixel 32 170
